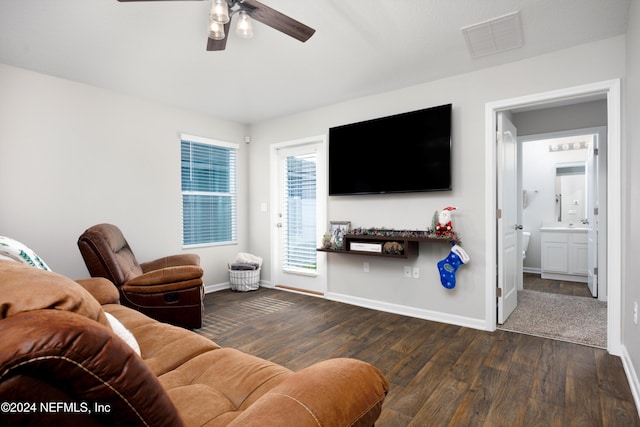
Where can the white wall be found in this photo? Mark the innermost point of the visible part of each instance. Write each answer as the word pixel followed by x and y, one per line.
pixel 384 285
pixel 562 118
pixel 631 273
pixel 73 155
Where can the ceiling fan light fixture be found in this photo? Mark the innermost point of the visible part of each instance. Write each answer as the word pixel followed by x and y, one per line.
pixel 219 11
pixel 216 30
pixel 244 28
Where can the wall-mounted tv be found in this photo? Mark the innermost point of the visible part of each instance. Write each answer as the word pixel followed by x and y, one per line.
pixel 409 152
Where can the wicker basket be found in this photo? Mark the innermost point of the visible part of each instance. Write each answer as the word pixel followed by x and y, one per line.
pixel 244 280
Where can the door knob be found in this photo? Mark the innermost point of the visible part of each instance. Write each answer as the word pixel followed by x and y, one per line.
pixel 519 227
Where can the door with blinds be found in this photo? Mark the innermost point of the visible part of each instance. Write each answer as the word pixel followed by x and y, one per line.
pixel 300 218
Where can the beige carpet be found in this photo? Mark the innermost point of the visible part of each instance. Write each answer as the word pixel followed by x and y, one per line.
pixel 579 320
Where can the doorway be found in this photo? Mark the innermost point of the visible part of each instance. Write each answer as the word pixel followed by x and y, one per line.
pixel 564 181
pixel 609 90
pixel 562 295
pixel 299 215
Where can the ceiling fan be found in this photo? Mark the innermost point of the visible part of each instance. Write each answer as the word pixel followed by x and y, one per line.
pixel 223 10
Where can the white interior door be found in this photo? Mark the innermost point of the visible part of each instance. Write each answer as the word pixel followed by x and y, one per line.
pixel 591 172
pixel 509 255
pixel 300 219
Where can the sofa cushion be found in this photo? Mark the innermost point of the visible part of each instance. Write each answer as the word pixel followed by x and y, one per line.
pixel 226 381
pixel 103 290
pixel 24 288
pixel 162 346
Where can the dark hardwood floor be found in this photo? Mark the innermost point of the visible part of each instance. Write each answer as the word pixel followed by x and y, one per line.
pixel 534 282
pixel 440 375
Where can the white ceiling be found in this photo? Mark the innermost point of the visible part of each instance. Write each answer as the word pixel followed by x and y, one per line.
pixel 157 50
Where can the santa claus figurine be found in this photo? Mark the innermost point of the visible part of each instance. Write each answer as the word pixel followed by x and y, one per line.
pixel 443 227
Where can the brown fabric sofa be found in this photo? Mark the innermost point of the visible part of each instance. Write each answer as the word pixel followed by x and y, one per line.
pixel 61 363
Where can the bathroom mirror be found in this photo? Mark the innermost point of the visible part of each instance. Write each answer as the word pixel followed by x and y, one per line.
pixel 571 192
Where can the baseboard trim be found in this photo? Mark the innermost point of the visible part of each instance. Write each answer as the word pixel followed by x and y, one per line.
pixel 409 311
pixel 301 291
pixel 226 285
pixel 632 377
pixel 217 287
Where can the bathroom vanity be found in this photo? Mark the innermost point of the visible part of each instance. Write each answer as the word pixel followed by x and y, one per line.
pixel 564 253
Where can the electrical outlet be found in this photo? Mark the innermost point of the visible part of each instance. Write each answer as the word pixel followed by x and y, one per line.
pixel 635 313
pixel 407 271
pixel 416 273
pixel 365 267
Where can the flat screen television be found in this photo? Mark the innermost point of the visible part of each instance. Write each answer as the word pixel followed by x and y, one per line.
pixel 409 152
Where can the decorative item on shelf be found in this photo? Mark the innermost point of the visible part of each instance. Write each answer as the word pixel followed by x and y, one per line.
pixel 434 222
pixel 373 247
pixel 395 248
pixel 326 241
pixel 337 231
pixel 385 232
pixel 410 234
pixel 444 226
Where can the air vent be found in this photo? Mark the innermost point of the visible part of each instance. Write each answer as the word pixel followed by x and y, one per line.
pixel 494 36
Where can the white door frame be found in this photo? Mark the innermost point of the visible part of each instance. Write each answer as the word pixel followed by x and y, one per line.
pixel 321 206
pixel 610 88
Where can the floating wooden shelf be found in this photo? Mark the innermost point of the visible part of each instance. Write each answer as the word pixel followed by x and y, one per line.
pixel 409 240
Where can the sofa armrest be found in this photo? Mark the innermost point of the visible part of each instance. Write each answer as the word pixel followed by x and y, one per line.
pixel 334 392
pixel 171 261
pixel 75 357
pixel 191 275
pixel 24 288
pixel 102 289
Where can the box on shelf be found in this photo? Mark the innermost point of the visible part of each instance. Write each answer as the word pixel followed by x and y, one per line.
pixel 366 246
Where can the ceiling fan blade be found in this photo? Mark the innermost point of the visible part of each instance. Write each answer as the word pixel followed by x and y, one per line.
pixel 277 20
pixel 213 45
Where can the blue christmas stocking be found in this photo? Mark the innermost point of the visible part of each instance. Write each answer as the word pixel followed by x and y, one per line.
pixel 450 265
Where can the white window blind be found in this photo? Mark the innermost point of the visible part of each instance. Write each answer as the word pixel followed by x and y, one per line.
pixel 300 213
pixel 209 181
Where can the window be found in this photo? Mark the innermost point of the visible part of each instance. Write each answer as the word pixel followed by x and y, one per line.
pixel 209 181
pixel 300 213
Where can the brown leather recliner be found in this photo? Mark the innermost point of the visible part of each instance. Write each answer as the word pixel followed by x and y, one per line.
pixel 168 289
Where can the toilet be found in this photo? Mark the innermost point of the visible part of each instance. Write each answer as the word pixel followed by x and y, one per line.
pixel 526 235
